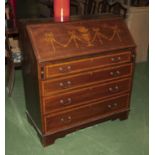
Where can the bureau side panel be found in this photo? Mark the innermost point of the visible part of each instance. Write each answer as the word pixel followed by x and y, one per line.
pixel 30 78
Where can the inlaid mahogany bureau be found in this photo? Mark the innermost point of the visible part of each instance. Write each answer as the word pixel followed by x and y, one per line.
pixel 76 74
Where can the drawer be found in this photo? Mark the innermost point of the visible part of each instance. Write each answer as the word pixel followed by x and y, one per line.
pixel 85 114
pixel 85 95
pixel 49 87
pixel 54 70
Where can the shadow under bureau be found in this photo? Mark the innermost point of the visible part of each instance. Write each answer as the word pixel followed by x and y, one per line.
pixel 76 74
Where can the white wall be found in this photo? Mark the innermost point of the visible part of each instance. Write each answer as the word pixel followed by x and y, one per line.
pixel 138 23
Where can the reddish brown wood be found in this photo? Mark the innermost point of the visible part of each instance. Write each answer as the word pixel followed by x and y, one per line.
pixel 47 139
pixel 66 40
pixel 85 113
pixel 54 103
pixel 61 69
pixel 76 74
pixel 55 86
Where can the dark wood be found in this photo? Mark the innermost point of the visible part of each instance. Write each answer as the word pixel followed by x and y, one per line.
pixel 47 139
pixel 30 78
pixel 85 113
pixel 53 70
pixel 88 94
pixel 76 73
pixel 60 39
pixel 51 87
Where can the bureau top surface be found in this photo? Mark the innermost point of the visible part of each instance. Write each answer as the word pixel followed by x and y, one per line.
pixel 55 41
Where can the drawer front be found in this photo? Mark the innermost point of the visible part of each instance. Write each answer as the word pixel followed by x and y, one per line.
pixel 86 113
pixel 50 87
pixel 54 70
pixel 83 96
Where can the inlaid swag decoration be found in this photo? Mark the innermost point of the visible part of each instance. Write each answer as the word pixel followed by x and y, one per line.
pixel 84 35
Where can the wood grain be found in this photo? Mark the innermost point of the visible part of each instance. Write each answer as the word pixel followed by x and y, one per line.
pixel 76 74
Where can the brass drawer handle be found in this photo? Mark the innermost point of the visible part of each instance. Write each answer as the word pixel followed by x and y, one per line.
pixel 66 84
pixel 114 89
pixel 109 106
pixel 116 59
pixel 62 120
pixel 112 106
pixel 61 69
pixel 69 83
pixel 66 120
pixel 116 73
pixel 115 104
pixel 69 118
pixel 62 101
pixel 66 102
pixel 68 68
pixel 61 84
pixel 64 69
pixel 119 58
pixel 69 101
pixel 112 59
pixel 112 73
pixel 110 89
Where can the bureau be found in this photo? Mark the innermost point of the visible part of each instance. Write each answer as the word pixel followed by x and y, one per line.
pixel 76 74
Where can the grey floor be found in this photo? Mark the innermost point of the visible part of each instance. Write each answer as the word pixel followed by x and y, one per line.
pixel 129 137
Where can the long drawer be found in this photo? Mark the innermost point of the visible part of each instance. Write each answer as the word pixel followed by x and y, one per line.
pixel 54 70
pixel 49 87
pixel 86 114
pixel 81 96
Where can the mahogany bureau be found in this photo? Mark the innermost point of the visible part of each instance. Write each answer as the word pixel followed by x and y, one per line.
pixel 76 74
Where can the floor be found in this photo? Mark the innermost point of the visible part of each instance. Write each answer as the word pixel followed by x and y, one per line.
pixel 129 137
